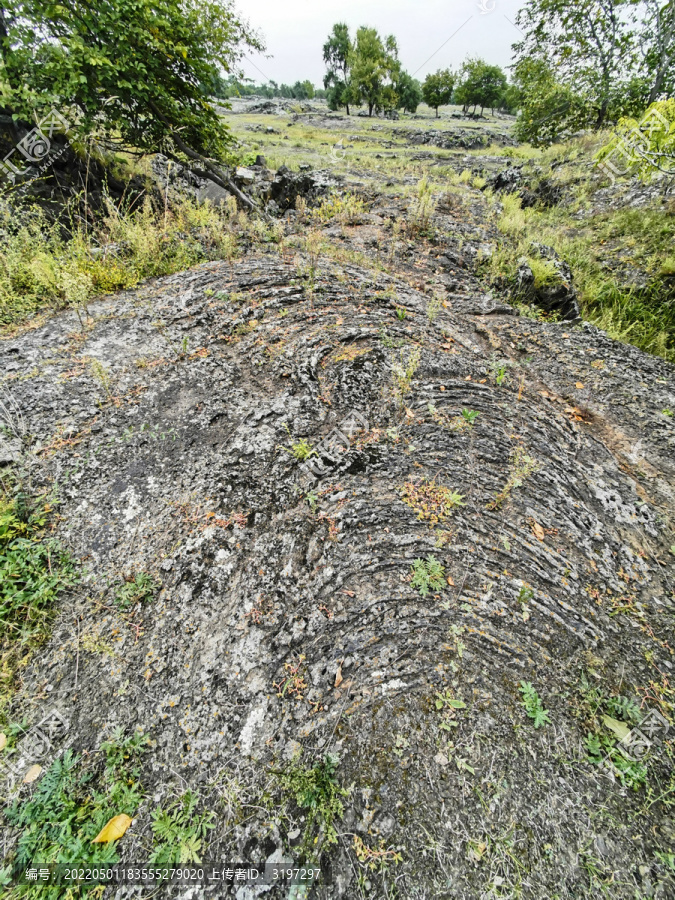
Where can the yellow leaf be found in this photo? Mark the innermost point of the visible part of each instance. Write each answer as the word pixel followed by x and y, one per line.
pixel 619 728
pixel 3 741
pixel 338 676
pixel 32 774
pixel 113 830
pixel 579 385
pixel 450 581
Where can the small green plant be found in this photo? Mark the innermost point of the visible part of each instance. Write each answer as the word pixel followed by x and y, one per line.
pixel 300 450
pixel 179 831
pixel 70 805
pixel 470 415
pixel 317 791
pixel 404 371
pixel 139 589
pixel 433 308
pixel 667 412
pixel 601 749
pixel 520 468
pixel 422 208
pixel 34 571
pixel 499 370
pixel 312 498
pixel 533 705
pixel 102 375
pixel 427 575
pixel 400 312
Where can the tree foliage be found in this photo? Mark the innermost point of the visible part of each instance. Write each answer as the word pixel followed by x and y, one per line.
pixel 337 55
pixel 409 92
pixel 481 85
pixel 437 88
pixel 130 71
pixel 644 147
pixel 548 109
pixel 375 69
pixel 611 57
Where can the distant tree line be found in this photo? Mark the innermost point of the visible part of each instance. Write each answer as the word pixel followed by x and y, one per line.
pixel 579 65
pixel 225 88
pixel 366 71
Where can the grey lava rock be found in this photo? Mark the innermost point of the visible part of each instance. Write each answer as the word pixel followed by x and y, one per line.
pixel 557 295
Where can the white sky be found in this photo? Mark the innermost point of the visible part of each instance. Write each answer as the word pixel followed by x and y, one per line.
pixel 295 32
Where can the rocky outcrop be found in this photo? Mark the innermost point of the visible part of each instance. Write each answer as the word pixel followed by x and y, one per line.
pixel 554 294
pixel 532 462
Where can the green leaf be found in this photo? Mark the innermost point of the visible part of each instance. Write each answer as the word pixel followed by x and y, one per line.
pixel 457 704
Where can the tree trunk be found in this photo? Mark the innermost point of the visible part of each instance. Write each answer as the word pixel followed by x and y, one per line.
pixel 347 107
pixel 212 172
pixel 436 112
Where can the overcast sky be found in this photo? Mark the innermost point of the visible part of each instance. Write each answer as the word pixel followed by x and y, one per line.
pixel 431 34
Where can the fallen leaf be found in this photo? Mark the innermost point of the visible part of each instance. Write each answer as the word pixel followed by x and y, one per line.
pixel 441 388
pixel 350 593
pixel 620 729
pixel 598 364
pixel 338 676
pixel 3 741
pixel 450 581
pixel 410 414
pixel 32 774
pixel 115 828
pixel 468 378
pixel 526 614
pixel 579 385
pixel 538 531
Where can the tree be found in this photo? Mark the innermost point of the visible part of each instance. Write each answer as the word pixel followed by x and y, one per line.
pixel 409 92
pixel 375 70
pixel 437 88
pixel 481 85
pixel 548 109
pixel 588 44
pixel 657 47
pixel 128 70
pixel 302 90
pixel 337 53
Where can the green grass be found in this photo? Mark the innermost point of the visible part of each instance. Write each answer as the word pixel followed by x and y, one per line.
pixel 41 271
pixel 317 792
pixel 593 245
pixel 34 571
pixel 140 589
pixel 68 807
